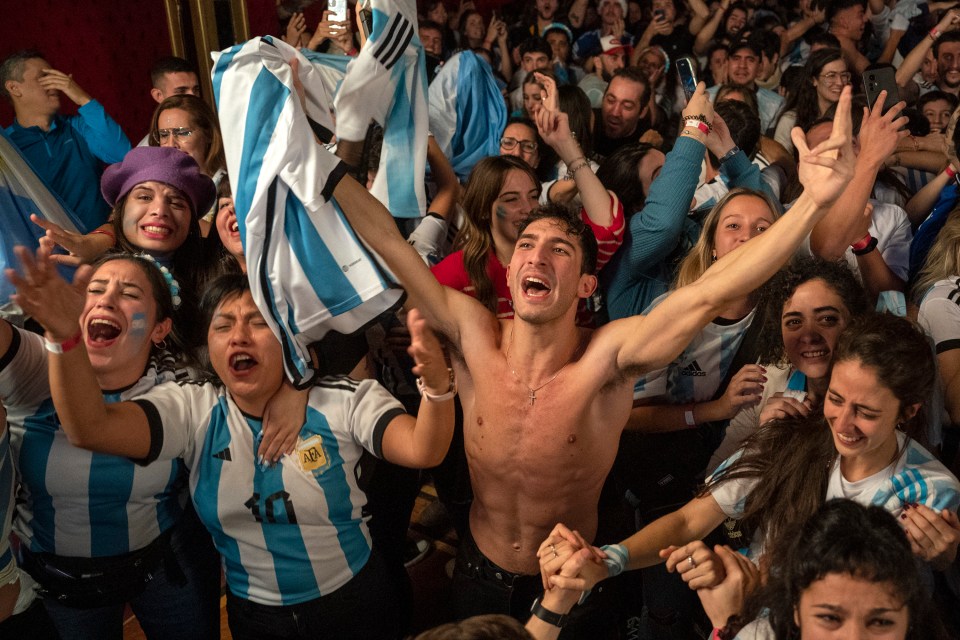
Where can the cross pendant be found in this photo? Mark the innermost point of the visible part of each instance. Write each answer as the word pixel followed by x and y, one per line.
pixel 533 396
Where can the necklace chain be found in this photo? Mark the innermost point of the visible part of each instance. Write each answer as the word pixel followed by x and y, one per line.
pixel 533 390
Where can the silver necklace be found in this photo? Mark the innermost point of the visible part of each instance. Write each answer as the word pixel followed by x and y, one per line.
pixel 533 390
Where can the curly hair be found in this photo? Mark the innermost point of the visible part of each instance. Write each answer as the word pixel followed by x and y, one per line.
pixel 781 287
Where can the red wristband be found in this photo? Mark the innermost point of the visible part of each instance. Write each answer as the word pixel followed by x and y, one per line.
pixel 703 126
pixel 105 232
pixel 862 243
pixel 950 171
pixel 66 345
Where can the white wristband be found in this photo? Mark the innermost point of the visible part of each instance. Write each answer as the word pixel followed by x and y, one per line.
pixel 688 417
pixel 451 391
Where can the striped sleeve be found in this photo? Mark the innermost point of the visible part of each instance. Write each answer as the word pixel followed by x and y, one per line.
pixel 609 238
pixel 940 316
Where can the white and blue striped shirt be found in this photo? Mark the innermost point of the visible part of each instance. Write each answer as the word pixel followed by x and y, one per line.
pixel 294 531
pixel 387 83
pixel 73 502
pixel 309 273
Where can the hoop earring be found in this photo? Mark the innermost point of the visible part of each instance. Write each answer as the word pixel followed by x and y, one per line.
pixel 162 345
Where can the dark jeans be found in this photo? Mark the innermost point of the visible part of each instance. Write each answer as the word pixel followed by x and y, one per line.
pixel 32 624
pixel 181 600
pixel 480 587
pixel 363 609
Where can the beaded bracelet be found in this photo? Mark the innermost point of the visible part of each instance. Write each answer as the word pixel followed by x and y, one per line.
pixel 697 116
pixel 577 164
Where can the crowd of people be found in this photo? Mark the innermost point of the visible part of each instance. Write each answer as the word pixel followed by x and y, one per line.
pixel 680 363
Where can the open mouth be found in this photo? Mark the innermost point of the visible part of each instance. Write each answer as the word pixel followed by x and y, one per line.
pixel 242 362
pixel 849 440
pixel 535 287
pixel 102 330
pixel 234 227
pixel 155 231
pixel 819 353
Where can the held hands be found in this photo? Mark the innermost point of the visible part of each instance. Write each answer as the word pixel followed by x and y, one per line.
pixel 726 598
pixel 933 536
pixel 826 169
pixel 697 565
pixel 427 354
pixel 557 550
pixel 45 296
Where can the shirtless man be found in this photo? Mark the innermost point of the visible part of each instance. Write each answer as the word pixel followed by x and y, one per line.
pixel 544 402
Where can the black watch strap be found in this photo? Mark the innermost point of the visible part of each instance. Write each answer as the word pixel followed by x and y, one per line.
pixel 556 619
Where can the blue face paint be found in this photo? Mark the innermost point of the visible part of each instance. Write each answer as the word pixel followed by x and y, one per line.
pixel 501 212
pixel 138 327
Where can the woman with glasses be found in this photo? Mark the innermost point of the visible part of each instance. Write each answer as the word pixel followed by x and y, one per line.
pixel 824 77
pixel 187 123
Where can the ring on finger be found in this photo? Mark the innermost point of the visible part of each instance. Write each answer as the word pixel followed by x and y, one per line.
pixel 692 562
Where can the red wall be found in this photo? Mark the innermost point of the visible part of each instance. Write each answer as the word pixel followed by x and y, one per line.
pixel 107 46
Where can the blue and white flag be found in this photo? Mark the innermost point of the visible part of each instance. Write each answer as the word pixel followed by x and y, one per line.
pixel 387 83
pixel 467 111
pixel 308 272
pixel 22 192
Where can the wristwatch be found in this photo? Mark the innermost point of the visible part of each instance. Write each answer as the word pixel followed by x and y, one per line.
pixel 556 619
pixel 729 154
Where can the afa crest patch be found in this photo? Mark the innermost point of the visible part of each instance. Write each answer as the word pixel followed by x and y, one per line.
pixel 312 456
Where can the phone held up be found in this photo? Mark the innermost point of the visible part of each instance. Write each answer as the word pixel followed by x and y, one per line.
pixel 687 73
pixel 880 79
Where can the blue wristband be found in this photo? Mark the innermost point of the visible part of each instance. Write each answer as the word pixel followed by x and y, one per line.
pixel 617 558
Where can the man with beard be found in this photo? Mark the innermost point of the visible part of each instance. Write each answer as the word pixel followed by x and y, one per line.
pixel 944 40
pixel 610 59
pixel 624 111
pixel 743 68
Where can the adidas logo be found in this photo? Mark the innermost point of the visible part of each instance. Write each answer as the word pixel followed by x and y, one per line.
pixel 223 455
pixel 692 369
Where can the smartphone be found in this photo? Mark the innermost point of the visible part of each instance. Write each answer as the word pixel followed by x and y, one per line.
pixel 658 14
pixel 880 79
pixel 687 72
pixel 339 9
pixel 366 22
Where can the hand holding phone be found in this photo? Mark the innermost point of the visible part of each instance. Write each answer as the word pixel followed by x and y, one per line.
pixel 687 73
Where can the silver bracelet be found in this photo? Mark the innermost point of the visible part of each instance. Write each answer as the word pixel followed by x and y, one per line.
pixel 578 164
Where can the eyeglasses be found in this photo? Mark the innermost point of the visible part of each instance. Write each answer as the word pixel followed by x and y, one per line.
pixel 180 133
pixel 511 143
pixel 833 77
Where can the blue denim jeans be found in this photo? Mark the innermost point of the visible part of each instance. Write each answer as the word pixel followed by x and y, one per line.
pixel 169 607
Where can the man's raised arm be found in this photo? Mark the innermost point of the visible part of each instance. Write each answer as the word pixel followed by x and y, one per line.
pixel 441 305
pixel 668 328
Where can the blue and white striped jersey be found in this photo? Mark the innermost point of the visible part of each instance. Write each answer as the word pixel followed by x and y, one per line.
pixel 294 531
pixel 387 83
pixel 8 566
pixel 297 242
pixel 696 374
pixel 73 502
pixel 916 477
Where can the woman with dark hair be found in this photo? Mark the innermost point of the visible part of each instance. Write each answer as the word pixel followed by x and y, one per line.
pixel 102 530
pixel 293 535
pixel 501 193
pixel 847 572
pixel 824 77
pixel 657 192
pixel 806 307
pixel 861 448
pixel 572 101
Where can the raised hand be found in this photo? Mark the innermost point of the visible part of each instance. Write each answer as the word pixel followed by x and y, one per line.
pixel 780 407
pixel 83 249
pixel 827 169
pixel 549 99
pixel 880 132
pixel 45 296
pixel 429 361
pixel 295 28
pixel 53 79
